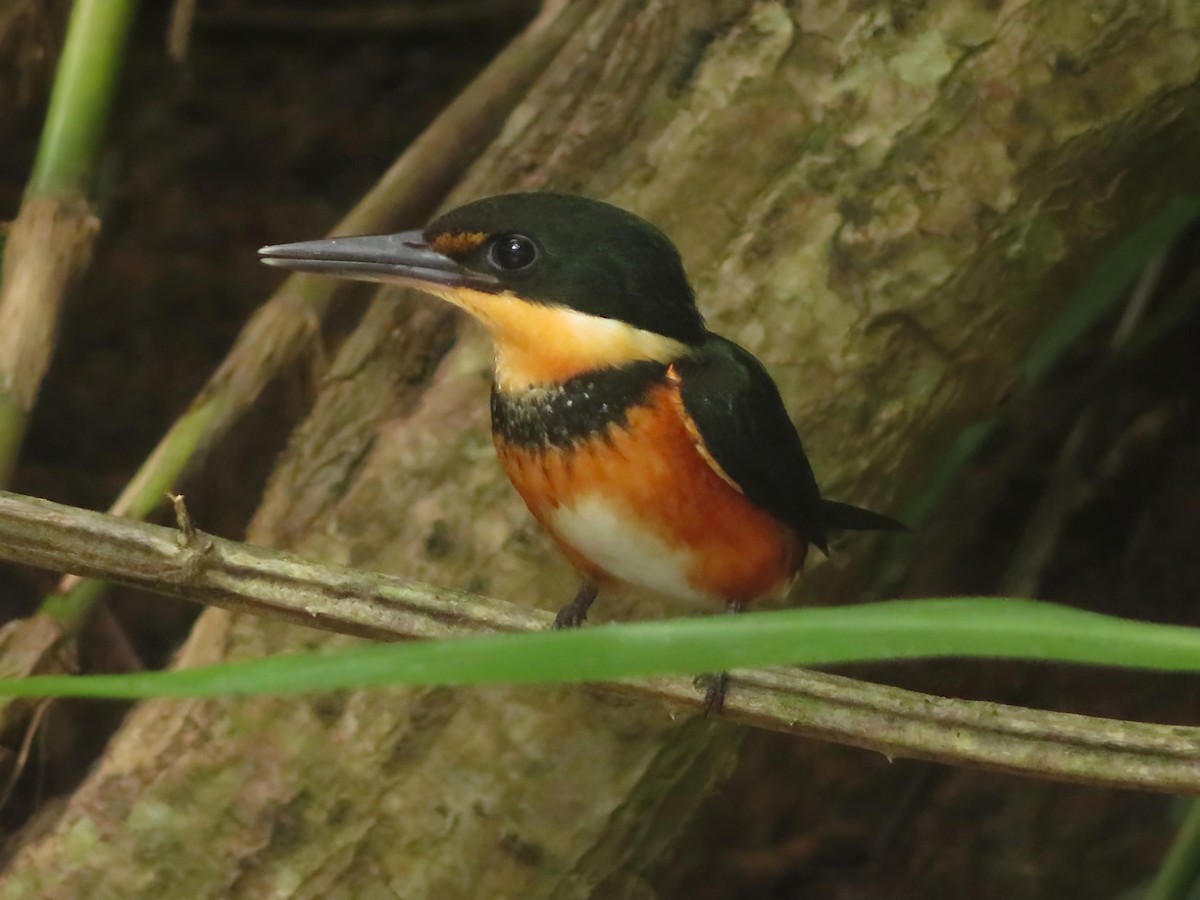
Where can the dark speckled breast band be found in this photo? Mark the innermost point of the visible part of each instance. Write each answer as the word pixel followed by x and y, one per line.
pixel 577 409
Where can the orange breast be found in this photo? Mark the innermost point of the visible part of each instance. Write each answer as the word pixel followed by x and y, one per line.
pixel 686 529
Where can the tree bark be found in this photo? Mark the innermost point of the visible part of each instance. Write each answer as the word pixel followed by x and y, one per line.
pixel 884 203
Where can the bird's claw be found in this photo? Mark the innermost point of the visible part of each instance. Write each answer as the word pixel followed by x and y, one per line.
pixel 570 616
pixel 716 685
pixel 575 613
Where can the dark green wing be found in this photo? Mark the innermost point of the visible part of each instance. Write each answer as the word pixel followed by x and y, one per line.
pixel 745 427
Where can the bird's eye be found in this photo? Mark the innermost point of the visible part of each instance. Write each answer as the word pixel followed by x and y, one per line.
pixel 512 252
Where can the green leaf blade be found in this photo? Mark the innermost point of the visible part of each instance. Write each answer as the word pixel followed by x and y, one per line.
pixel 893 630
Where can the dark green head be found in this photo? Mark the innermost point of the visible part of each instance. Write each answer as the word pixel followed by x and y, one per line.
pixel 571 251
pixel 551 249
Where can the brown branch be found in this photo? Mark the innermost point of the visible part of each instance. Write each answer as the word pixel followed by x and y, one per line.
pixel 240 577
pixel 49 246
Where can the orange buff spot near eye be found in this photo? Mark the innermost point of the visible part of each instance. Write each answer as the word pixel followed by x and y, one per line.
pixel 454 243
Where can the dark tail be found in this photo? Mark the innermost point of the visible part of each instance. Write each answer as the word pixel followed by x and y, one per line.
pixel 845 517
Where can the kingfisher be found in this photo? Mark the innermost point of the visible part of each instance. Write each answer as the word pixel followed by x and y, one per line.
pixel 654 452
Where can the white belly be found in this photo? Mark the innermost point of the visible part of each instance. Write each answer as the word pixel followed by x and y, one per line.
pixel 601 531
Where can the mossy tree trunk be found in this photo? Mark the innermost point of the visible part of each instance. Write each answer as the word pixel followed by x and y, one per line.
pixel 884 202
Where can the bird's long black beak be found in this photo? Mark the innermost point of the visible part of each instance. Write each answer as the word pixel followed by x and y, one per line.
pixel 404 257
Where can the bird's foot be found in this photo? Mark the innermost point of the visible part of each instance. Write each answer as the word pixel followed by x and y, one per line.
pixel 715 685
pixel 575 613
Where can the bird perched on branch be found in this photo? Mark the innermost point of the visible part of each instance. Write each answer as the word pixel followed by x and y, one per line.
pixel 654 452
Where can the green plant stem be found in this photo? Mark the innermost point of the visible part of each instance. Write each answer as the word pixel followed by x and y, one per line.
pixel 1179 873
pixel 84 88
pixel 51 239
pixel 985 627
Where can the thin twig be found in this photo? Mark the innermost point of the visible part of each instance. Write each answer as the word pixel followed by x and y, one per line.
pixel 179 29
pixel 31 730
pixel 893 721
